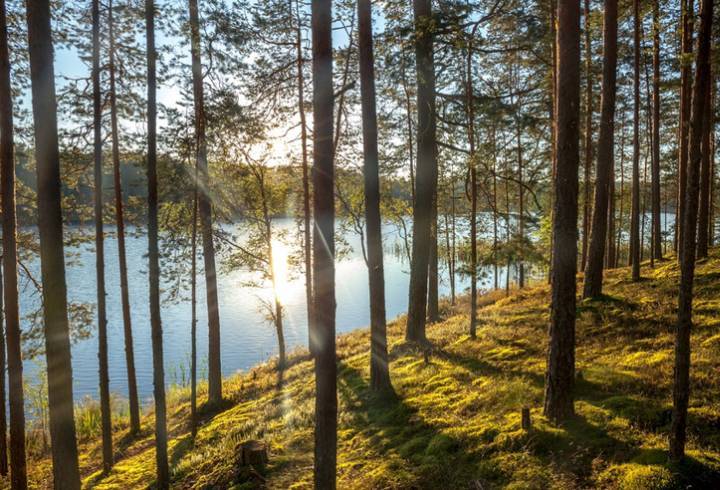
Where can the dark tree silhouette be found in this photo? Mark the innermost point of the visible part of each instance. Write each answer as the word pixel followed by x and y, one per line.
pixel 656 245
pixel 54 293
pixel 700 95
pixel 120 226
pixel 606 144
pixel 560 375
pixel 379 369
pixel 688 9
pixel 18 469
pixel 470 112
pixel 205 211
pixel 161 456
pixel 324 248
pixel 587 209
pixel 635 243
pixel 104 377
pixel 426 171
pixel 704 223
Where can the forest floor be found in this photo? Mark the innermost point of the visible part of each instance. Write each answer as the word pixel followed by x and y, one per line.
pixel 455 422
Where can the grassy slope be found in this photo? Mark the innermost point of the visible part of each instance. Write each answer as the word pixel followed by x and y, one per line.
pixel 455 421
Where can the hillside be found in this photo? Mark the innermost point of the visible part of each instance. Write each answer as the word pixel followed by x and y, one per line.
pixel 455 422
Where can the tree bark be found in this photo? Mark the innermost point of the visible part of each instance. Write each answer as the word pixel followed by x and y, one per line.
pixel 324 249
pixel 587 210
pixel 205 211
pixel 705 178
pixel 18 468
pixel 379 363
pixel 104 376
pixel 635 205
pixel 55 313
pixel 120 225
pixel 426 171
pixel 161 453
pixel 470 112
pixel 656 226
pixel 560 376
pixel 687 7
pixel 307 213
pixel 701 91
pixel 605 155
pixel 193 312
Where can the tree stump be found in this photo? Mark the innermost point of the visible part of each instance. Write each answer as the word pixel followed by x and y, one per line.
pixel 526 423
pixel 253 453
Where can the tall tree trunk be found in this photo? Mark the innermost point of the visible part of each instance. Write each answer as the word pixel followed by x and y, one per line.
pixel 205 211
pixel 433 309
pixel 18 469
pixel 193 312
pixel 635 244
pixel 307 214
pixel 701 92
pixel 161 450
pixel 493 143
pixel 426 171
pixel 606 147
pixel 705 178
pixel 587 210
pixel 104 376
pixel 470 113
pixel 553 120
pixel 120 225
pixel 521 209
pixel 12 340
pixel 560 376
pixel 688 22
pixel 52 259
pixel 324 249
pixel 379 370
pixel 611 253
pixel 656 226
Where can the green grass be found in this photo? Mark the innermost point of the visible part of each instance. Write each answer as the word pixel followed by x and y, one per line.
pixel 455 422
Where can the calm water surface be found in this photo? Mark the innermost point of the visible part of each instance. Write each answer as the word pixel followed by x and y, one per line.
pixel 247 337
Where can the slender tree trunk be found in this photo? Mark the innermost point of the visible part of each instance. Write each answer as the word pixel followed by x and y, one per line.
pixel 433 310
pixel 701 92
pixel 635 207
pixel 713 176
pixel 18 470
pixel 521 210
pixel 621 215
pixel 307 214
pixel 560 376
pixel 104 376
pixel 606 147
pixel 705 173
pixel 205 211
pixel 470 112
pixel 324 249
pixel 587 210
pixel 120 225
pixel 496 272
pixel 656 227
pixel 161 450
pixel 426 171
pixel 553 121
pixel 193 312
pixel 379 370
pixel 57 339
pixel 688 22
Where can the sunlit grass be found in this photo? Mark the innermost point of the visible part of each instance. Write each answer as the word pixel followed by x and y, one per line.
pixel 456 420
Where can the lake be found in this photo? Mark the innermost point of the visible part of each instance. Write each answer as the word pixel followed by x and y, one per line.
pixel 247 337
